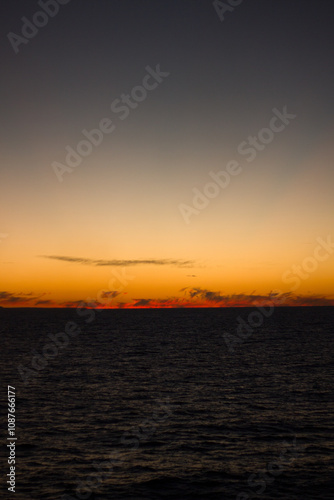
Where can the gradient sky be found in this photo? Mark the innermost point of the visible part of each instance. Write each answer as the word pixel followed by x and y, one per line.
pixel 119 210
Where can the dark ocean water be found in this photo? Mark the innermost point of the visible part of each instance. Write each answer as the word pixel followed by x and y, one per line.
pixel 151 404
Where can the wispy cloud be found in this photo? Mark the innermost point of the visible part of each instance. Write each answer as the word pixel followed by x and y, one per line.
pixel 142 302
pixel 121 263
pixel 18 297
pixel 80 303
pixel 308 300
pixel 215 298
pixel 44 303
pixel 110 295
pixel 156 303
pixel 9 297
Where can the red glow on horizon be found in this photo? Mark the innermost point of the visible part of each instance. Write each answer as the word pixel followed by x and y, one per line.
pixel 173 303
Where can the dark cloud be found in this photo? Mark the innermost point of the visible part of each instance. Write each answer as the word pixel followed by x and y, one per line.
pixel 91 303
pixel 156 303
pixel 73 303
pixel 310 300
pixel 205 294
pixel 142 302
pixel 123 263
pixel 109 295
pixel 16 297
pixel 249 300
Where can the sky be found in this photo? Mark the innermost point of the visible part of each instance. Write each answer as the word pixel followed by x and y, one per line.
pixel 208 178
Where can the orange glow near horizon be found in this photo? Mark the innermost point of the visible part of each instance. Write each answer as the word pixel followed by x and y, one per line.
pixel 73 238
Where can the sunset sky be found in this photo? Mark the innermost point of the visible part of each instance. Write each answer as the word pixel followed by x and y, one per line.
pixel 112 229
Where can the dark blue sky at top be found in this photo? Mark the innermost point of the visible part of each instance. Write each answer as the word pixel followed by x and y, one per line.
pixel 225 76
pixel 223 72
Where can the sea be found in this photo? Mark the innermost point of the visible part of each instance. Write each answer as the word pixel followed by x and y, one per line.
pixel 159 404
